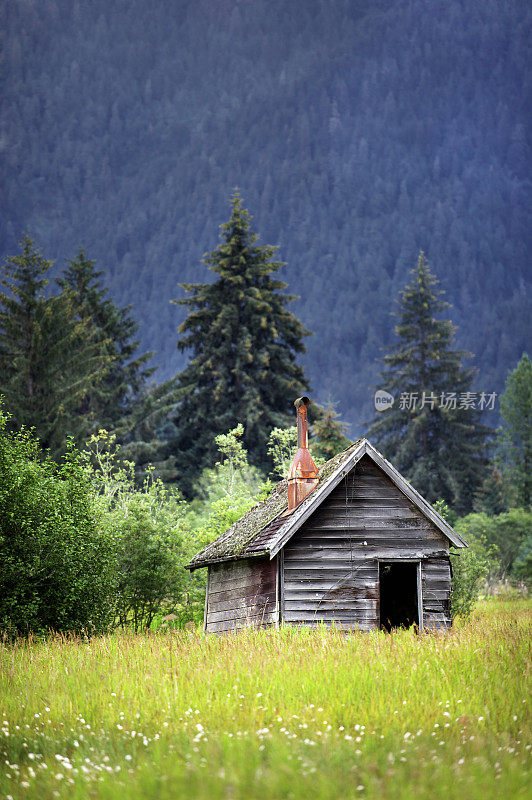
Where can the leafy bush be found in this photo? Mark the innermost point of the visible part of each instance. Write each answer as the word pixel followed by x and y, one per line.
pixel 510 531
pixel 228 489
pixel 282 445
pixel 83 548
pixel 522 569
pixel 470 566
pixel 499 547
pixel 503 534
pixel 231 477
pixel 470 569
pixel 57 562
pixel 147 526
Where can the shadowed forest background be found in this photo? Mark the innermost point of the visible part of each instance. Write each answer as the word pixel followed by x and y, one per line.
pixel 358 133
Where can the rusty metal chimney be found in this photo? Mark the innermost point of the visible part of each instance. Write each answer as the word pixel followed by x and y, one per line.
pixel 303 474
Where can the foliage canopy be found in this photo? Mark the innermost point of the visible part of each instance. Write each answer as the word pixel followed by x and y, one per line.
pixel 514 440
pixel 109 402
pixel 57 562
pixel 50 356
pixel 244 345
pixel 436 442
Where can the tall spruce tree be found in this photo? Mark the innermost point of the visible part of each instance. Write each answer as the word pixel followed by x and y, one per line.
pixel 49 356
pixel 151 433
pixel 514 438
pixel 110 403
pixel 244 344
pixel 432 433
pixel 494 495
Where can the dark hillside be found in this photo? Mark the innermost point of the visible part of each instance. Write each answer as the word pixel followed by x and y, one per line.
pixel 359 132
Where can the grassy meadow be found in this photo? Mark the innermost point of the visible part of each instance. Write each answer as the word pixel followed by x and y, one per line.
pixel 288 714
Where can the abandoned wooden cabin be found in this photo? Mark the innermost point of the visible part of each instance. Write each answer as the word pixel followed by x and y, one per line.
pixel 352 544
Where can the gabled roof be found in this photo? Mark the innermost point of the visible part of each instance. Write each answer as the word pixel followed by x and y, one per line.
pixel 264 529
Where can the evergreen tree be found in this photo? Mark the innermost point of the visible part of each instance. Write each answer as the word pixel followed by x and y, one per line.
pixel 151 431
pixel 328 434
pixel 494 495
pixel 108 403
pixel 244 344
pixel 514 438
pixel 49 357
pixel 432 433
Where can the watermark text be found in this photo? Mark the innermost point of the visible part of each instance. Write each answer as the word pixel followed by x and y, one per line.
pixel 412 401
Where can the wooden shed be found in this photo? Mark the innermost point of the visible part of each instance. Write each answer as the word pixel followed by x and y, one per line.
pixel 363 550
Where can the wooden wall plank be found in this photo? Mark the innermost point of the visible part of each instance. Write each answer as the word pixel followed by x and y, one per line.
pixel 342 615
pixel 436 579
pixel 437 594
pixel 209 569
pixel 243 615
pixel 339 627
pixel 383 553
pixel 233 570
pixel 330 603
pixel 233 626
pixel 242 593
pixel 252 601
pixel 336 548
pixel 437 622
pixel 369 590
pixel 399 510
pixel 343 536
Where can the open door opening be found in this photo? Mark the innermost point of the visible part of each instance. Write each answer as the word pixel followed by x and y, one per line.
pixel 398 595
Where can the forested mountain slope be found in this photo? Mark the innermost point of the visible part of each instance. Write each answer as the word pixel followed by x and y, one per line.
pixel 358 131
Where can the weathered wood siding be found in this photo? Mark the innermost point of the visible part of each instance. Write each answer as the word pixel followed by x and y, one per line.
pixel 241 594
pixel 436 583
pixel 330 568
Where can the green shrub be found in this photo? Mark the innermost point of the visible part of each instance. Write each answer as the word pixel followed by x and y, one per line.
pixel 470 566
pixel 503 535
pixel 152 543
pixel 56 562
pixel 499 547
pixel 522 568
pixel 510 531
pixel 470 570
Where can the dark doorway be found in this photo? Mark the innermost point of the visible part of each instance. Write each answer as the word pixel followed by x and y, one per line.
pixel 398 595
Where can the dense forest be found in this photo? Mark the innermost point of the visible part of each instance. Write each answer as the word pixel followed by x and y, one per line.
pixel 358 133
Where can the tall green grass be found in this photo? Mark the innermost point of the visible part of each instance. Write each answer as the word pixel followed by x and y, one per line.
pixel 263 714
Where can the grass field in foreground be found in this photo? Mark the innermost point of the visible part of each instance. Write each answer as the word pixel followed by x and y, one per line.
pixel 295 714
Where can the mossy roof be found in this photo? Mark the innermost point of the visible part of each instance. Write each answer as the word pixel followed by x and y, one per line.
pixel 249 535
pixel 266 527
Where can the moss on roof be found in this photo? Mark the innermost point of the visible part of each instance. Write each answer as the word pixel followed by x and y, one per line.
pixel 336 461
pixel 235 540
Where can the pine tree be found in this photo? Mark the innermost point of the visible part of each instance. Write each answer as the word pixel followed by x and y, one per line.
pixel 328 434
pixel 110 403
pixel 494 495
pixel 514 438
pixel 432 433
pixel 151 432
pixel 49 357
pixel 244 344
